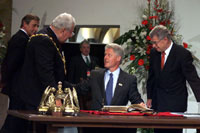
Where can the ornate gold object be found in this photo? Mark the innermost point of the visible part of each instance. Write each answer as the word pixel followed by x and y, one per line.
pixel 58 101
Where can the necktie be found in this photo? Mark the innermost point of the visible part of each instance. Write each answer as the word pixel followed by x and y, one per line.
pixel 162 59
pixel 87 61
pixel 109 88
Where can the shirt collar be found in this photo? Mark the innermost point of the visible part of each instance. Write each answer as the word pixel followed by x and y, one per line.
pixel 85 56
pixel 24 31
pixel 168 49
pixel 115 73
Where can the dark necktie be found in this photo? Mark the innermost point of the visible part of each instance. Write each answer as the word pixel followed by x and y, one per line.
pixel 87 61
pixel 109 88
pixel 162 59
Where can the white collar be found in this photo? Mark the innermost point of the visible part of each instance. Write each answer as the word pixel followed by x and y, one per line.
pixel 168 49
pixel 116 72
pixel 24 31
pixel 85 56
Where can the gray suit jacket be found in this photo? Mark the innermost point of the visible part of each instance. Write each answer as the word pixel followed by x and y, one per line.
pixel 126 89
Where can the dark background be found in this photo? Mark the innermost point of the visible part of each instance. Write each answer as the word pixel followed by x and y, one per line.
pixel 72 49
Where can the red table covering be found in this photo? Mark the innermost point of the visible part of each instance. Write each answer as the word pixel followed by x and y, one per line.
pixel 131 113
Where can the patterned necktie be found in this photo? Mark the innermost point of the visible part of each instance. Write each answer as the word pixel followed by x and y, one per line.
pixel 162 59
pixel 109 88
pixel 87 61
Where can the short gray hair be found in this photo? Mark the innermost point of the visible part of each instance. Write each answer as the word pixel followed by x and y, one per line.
pixel 64 20
pixel 161 32
pixel 117 49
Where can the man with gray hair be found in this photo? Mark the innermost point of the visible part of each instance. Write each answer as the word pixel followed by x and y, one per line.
pixel 111 86
pixel 44 63
pixel 170 67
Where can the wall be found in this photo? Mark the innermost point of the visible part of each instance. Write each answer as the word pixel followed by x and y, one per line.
pixel 102 12
pixel 5 16
pixel 85 11
pixel 187 14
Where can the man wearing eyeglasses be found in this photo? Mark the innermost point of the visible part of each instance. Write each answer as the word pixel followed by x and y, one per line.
pixel 170 67
pixel 44 63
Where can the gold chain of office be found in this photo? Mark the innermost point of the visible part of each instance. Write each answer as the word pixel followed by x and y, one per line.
pixel 62 56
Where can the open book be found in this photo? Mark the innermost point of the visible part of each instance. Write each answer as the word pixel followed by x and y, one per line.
pixel 124 109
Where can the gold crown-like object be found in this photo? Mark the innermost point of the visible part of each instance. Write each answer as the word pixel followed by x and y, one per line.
pixel 59 101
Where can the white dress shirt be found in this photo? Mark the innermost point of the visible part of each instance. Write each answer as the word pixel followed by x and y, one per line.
pixel 115 78
pixel 167 51
pixel 83 56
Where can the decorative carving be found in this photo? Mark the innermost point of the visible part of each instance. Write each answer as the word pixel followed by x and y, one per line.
pixel 58 101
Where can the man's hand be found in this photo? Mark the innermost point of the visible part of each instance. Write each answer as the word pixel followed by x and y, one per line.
pixel 142 104
pixel 149 103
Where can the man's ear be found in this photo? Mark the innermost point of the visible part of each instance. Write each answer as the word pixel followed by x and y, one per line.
pixel 119 58
pixel 24 25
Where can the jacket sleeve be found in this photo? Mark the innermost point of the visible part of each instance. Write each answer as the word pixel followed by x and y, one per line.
pixel 190 73
pixel 151 78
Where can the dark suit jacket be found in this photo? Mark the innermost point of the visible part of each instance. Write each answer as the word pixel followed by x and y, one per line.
pixel 126 89
pixel 78 68
pixel 43 66
pixel 167 87
pixel 13 60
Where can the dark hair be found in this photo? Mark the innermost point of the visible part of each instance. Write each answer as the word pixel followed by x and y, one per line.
pixel 85 41
pixel 27 19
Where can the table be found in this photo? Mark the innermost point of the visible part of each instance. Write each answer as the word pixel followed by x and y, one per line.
pixel 110 121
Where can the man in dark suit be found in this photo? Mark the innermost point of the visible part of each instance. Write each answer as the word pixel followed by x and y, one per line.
pixel 170 67
pixel 44 63
pixel 79 69
pixel 111 86
pixel 14 58
pixel 80 66
pixel 12 65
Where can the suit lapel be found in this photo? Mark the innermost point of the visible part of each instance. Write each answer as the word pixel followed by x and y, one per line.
pixel 83 61
pixel 170 57
pixel 102 86
pixel 119 86
pixel 158 61
pixel 23 33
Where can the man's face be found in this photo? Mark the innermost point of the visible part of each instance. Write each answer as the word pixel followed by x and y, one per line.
pixel 66 34
pixel 31 28
pixel 111 59
pixel 159 45
pixel 85 49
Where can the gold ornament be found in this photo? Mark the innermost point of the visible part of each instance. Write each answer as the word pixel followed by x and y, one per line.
pixel 58 101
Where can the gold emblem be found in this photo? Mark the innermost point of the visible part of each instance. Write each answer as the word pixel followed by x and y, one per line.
pixel 63 102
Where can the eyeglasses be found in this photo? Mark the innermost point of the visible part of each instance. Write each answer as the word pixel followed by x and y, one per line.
pixel 155 42
pixel 70 32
